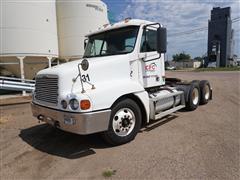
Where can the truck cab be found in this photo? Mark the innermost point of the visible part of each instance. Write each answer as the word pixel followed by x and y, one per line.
pixel 117 86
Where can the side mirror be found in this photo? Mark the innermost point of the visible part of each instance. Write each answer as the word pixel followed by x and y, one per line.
pixel 85 43
pixel 161 40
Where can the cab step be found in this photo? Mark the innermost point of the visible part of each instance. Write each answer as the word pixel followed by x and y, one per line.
pixel 167 112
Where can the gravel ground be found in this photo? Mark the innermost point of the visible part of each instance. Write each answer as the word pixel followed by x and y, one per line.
pixel 203 144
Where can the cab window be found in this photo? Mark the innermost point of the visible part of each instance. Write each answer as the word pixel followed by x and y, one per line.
pixel 113 42
pixel 149 41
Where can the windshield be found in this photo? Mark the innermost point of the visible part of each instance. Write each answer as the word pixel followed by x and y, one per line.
pixel 119 41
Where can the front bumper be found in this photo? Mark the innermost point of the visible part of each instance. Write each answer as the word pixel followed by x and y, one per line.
pixel 81 123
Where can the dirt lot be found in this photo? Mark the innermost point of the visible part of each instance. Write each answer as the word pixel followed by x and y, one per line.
pixel 203 144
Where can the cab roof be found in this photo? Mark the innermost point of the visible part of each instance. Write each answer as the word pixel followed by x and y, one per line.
pixel 124 23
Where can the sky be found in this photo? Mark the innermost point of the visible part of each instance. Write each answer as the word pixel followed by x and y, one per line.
pixel 178 16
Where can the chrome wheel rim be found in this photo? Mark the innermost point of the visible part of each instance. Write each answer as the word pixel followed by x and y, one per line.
pixel 207 92
pixel 123 122
pixel 195 96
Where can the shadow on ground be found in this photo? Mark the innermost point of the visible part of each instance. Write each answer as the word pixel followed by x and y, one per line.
pixel 155 124
pixel 56 142
pixel 53 141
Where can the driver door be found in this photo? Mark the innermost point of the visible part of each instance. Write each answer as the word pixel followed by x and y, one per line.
pixel 151 64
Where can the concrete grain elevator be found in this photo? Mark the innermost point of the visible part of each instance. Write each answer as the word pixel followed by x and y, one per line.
pixel 220 37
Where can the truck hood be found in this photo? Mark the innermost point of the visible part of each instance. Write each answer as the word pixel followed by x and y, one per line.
pixel 111 77
pixel 101 70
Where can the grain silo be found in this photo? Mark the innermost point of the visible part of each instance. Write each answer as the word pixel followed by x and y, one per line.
pixel 75 20
pixel 28 36
pixel 34 33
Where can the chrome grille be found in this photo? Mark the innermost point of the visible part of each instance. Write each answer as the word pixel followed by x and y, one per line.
pixel 46 89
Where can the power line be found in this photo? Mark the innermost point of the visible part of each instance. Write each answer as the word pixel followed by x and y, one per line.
pixel 237 18
pixel 189 32
pixel 234 20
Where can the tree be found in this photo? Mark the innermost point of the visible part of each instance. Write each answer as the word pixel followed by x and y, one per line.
pixel 198 58
pixel 181 57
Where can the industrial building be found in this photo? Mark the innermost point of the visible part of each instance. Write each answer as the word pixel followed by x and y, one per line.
pixel 187 64
pixel 192 64
pixel 220 37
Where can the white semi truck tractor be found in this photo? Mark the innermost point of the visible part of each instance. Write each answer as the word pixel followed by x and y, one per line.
pixel 117 87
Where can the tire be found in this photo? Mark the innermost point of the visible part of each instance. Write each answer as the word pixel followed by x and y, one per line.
pixel 193 98
pixel 205 91
pixel 124 124
pixel 196 81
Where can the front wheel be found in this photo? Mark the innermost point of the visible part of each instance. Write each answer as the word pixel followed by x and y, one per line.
pixel 124 124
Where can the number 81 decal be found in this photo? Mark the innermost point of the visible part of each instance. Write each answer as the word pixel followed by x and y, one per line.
pixel 85 78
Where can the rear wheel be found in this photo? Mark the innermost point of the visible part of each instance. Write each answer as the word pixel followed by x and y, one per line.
pixel 205 90
pixel 193 97
pixel 124 124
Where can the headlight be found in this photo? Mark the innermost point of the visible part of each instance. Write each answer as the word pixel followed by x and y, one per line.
pixel 64 104
pixel 74 104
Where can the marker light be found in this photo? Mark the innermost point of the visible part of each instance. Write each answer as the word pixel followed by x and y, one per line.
pixel 105 25
pixel 127 20
pixel 85 104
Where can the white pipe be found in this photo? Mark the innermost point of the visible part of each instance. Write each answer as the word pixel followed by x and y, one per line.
pixel 16 83
pixel 16 79
pixel 16 87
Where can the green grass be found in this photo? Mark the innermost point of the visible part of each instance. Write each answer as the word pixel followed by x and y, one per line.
pixel 109 173
pixel 218 69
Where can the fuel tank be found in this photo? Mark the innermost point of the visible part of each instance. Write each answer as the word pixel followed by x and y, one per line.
pixel 165 100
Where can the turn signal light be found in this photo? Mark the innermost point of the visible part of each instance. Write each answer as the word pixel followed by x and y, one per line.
pixel 85 104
